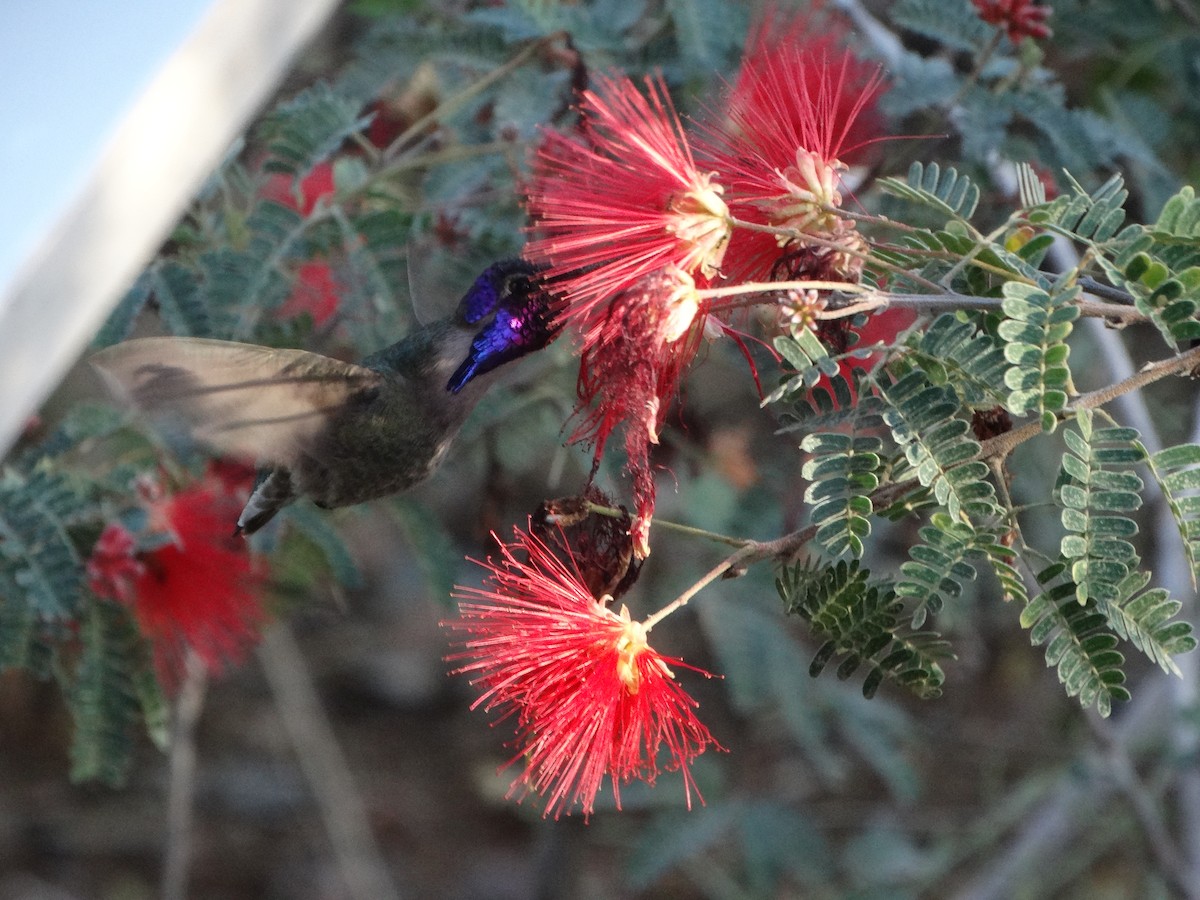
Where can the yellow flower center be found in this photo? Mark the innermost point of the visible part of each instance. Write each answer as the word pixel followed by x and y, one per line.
pixel 700 219
pixel 810 190
pixel 681 302
pixel 631 641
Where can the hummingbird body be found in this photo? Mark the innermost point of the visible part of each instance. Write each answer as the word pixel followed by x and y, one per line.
pixel 339 433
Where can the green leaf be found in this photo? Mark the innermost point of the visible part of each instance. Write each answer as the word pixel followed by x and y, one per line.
pixel 938 445
pixel 103 697
pixel 861 623
pixel 1035 329
pixel 1078 642
pixel 943 190
pixel 1095 539
pixel 842 470
pixel 35 549
pixel 1177 471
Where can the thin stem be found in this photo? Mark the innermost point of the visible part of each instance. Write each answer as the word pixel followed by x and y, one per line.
pixel 1003 444
pixel 453 104
pixel 1096 309
pixel 774 287
pixel 360 861
pixel 867 258
pixel 727 564
pixel 181 792
pixel 689 530
pixel 443 156
pixel 980 61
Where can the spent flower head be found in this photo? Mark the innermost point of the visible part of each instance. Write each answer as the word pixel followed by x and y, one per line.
pixel 632 366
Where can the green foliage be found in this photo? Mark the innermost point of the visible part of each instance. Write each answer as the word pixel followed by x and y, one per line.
pixel 1177 471
pixel 942 190
pixel 176 291
pixel 843 471
pixel 953 24
pixel 307 129
pixel 1036 328
pixel 1097 500
pixel 862 622
pixel 36 551
pixel 805 353
pixel 122 319
pixel 937 444
pixel 938 566
pixel 1160 267
pixel 1143 617
pixel 1092 218
pixel 245 282
pixel 954 351
pixel 1179 221
pixel 106 698
pixel 1078 641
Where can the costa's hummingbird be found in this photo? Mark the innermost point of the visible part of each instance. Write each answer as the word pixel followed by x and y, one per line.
pixel 339 433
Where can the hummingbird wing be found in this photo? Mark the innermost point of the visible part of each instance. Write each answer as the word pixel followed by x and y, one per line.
pixel 256 402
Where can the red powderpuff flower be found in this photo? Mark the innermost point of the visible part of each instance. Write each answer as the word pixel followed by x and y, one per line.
pixel 195 588
pixel 591 698
pixel 622 202
pixel 1020 18
pixel 798 110
pixel 314 291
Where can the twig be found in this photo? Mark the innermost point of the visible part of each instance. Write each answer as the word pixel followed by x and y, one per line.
pixel 363 869
pixel 182 787
pixel 457 101
pixel 1158 838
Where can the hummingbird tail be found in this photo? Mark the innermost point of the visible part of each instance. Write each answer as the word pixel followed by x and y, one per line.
pixel 273 492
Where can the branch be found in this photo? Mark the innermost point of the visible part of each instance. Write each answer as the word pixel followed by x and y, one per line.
pixel 787 547
pixel 181 792
pixel 360 861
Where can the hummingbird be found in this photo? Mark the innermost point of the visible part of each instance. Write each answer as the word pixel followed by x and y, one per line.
pixel 336 432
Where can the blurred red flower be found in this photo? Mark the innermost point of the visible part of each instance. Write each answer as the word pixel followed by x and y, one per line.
pixel 590 696
pixel 621 202
pixel 301 195
pixel 190 583
pixel 1020 18
pixel 314 291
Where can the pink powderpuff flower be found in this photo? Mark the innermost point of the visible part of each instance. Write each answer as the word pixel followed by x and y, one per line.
pixel 590 697
pixel 1019 18
pixel 623 201
pixel 190 584
pixel 799 109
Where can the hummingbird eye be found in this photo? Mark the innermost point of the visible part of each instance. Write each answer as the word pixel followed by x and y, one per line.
pixel 492 286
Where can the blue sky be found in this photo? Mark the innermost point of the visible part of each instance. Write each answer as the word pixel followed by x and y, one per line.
pixel 68 70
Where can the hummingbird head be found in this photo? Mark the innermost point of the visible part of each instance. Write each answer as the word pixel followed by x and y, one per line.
pixel 518 313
